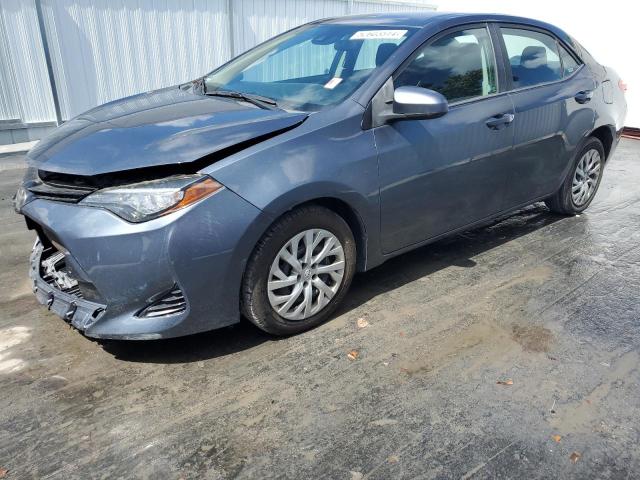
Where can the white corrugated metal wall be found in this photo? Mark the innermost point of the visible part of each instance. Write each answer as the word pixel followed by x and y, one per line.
pixel 26 68
pixel 104 49
pixel 101 50
pixel 255 21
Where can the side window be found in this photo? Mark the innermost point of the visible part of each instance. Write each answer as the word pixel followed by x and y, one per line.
pixel 533 57
pixel 569 64
pixel 460 66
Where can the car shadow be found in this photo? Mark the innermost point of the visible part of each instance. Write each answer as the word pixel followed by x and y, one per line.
pixel 458 250
pixel 192 348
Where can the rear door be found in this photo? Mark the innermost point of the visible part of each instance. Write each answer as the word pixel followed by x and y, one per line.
pixel 551 93
pixel 441 174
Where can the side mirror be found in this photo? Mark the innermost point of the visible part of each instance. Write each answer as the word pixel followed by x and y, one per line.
pixel 418 102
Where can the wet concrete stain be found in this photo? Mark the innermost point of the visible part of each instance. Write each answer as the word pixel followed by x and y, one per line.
pixel 583 414
pixel 532 338
pixel 548 302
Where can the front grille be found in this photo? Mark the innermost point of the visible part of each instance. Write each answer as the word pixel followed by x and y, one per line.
pixel 53 270
pixel 58 187
pixel 59 193
pixel 171 303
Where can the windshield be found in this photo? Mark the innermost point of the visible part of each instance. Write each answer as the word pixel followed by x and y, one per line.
pixel 310 67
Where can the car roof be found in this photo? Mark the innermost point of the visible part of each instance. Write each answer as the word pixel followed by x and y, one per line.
pixel 435 19
pixel 405 19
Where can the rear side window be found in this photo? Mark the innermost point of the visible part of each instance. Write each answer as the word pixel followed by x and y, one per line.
pixel 460 65
pixel 569 64
pixel 533 56
pixel 586 57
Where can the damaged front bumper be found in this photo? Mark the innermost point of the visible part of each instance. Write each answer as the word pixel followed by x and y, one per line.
pixel 171 276
pixel 70 304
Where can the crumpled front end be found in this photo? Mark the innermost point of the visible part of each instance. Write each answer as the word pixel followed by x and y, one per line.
pixel 55 287
pixel 171 276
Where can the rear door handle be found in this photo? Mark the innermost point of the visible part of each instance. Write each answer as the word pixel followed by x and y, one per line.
pixel 500 121
pixel 584 96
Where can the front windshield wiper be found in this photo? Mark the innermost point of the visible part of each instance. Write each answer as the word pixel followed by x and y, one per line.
pixel 257 100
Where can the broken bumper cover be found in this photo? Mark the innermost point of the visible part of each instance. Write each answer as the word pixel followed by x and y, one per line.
pixel 126 268
pixel 80 312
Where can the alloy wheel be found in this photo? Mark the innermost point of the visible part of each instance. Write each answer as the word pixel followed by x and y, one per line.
pixel 306 274
pixel 585 178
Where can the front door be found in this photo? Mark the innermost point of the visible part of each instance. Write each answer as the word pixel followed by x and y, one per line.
pixel 441 174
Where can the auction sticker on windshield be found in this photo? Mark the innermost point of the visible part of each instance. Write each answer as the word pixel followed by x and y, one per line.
pixel 333 83
pixel 378 34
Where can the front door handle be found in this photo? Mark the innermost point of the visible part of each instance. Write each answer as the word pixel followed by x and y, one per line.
pixel 500 121
pixel 584 96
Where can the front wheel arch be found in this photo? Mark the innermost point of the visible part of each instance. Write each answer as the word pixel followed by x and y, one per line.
pixel 353 219
pixel 253 290
pixel 361 214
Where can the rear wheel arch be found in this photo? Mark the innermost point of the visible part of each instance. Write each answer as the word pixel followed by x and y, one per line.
pixel 561 202
pixel 605 134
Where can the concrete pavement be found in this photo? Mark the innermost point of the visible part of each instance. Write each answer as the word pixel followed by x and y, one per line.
pixel 546 305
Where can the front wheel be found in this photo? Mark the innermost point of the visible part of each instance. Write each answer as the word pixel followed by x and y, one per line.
pixel 299 272
pixel 581 185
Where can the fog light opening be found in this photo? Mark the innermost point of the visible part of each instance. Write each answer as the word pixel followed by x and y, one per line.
pixel 170 303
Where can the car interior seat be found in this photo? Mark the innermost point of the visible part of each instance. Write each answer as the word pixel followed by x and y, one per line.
pixel 534 68
pixel 385 50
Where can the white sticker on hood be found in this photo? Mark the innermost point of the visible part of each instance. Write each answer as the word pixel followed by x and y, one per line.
pixel 378 35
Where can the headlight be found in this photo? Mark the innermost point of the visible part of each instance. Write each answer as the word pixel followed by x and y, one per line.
pixel 143 201
pixel 23 196
pixel 20 198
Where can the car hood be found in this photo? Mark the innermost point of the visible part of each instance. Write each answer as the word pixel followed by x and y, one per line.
pixel 163 127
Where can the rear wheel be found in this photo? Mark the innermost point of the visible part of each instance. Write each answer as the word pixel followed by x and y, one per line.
pixel 299 272
pixel 580 186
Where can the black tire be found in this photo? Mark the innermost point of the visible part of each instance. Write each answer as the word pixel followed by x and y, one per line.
pixel 255 303
pixel 562 201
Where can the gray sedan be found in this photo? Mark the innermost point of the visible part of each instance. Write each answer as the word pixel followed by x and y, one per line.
pixel 261 188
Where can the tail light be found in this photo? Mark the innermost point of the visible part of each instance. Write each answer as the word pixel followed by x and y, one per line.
pixel 622 85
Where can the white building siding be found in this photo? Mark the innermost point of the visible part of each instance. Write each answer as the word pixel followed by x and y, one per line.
pixel 26 73
pixel 105 49
pixel 255 21
pixel 9 108
pixel 376 7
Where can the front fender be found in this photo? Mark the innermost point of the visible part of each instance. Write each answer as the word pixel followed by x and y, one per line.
pixel 329 156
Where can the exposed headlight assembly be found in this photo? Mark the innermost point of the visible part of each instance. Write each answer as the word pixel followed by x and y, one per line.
pixel 20 199
pixel 139 202
pixel 22 196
